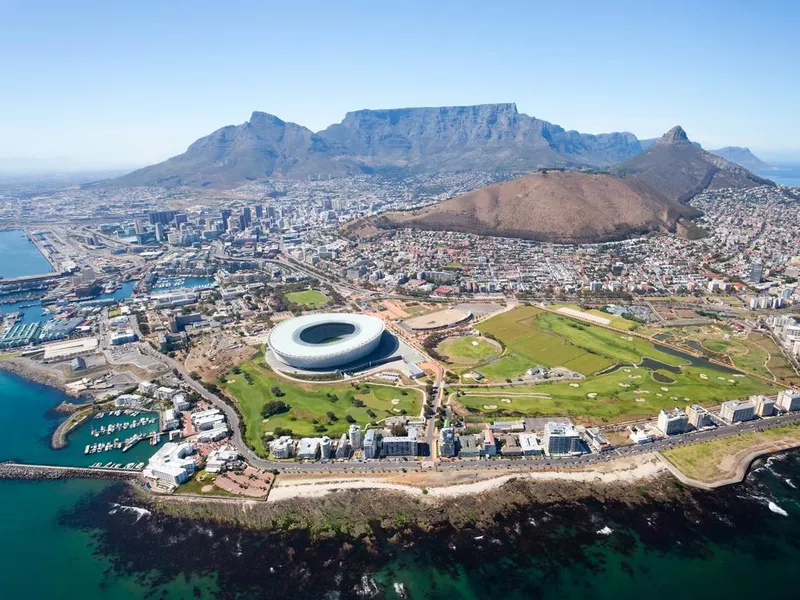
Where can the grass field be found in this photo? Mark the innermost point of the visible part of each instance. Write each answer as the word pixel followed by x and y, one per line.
pixel 616 395
pixel 310 404
pixel 535 337
pixel 717 460
pixel 308 298
pixel 469 350
pixel 532 336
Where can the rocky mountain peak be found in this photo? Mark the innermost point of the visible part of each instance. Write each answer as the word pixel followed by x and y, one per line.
pixel 675 136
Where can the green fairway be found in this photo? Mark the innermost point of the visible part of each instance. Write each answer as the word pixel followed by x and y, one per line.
pixel 616 322
pixel 310 403
pixel 627 393
pixel 469 350
pixel 308 298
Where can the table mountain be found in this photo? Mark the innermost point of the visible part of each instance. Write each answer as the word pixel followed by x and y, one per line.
pixel 645 193
pixel 489 137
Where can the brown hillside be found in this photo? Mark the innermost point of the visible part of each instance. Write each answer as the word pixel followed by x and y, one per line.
pixel 548 206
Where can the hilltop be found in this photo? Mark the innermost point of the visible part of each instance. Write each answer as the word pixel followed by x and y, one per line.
pixel 645 193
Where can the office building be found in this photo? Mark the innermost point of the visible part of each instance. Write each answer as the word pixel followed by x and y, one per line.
pixel 736 411
pixel 673 422
pixel 561 439
pixel 699 417
pixel 597 440
pixel 756 273
pixel 789 400
pixel 308 448
pixel 447 442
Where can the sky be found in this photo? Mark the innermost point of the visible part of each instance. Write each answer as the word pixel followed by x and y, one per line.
pixel 127 83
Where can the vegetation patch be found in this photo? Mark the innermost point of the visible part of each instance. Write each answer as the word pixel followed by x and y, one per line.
pixel 308 298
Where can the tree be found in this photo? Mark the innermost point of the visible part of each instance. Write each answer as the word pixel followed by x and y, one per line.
pixel 276 390
pixel 350 419
pixel 331 417
pixel 399 430
pixel 274 407
pixel 194 375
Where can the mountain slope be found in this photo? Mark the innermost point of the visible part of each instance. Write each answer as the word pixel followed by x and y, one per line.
pixel 646 193
pixel 675 170
pixel 742 157
pixel 557 206
pixel 490 137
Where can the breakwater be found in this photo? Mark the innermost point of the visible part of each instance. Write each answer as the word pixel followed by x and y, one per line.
pixel 21 471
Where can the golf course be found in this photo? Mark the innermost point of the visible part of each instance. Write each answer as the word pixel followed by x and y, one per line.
pixel 310 404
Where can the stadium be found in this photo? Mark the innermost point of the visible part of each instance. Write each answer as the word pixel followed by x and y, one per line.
pixel 325 341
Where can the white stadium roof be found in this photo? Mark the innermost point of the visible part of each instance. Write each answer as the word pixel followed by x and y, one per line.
pixel 325 340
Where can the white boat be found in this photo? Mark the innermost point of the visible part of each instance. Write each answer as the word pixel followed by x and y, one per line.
pixel 86 450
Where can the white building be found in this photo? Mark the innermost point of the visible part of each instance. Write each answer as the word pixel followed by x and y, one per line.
pixel 181 402
pixel 640 436
pixel 765 406
pixel 529 444
pixel 283 447
pixel 673 422
pixel 561 439
pixel 165 393
pixel 699 417
pixel 789 400
pixel 129 401
pixel 355 437
pixel 736 411
pixel 148 388
pixel 219 459
pixel 171 420
pixel 171 463
pixel 213 435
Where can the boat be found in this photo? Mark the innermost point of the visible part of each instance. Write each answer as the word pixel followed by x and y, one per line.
pixel 86 450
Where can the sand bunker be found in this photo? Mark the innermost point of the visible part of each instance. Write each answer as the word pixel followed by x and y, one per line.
pixel 489 406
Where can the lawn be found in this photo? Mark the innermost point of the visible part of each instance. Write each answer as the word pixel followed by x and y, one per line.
pixel 616 322
pixel 308 298
pixel 717 459
pixel 534 337
pixel 310 403
pixel 469 350
pixel 616 395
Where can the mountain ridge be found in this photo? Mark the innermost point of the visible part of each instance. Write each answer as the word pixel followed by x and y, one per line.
pixel 491 137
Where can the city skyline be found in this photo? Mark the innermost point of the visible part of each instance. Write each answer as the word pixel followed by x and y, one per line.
pixel 123 86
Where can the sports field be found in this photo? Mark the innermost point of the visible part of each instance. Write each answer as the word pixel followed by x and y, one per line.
pixel 308 298
pixel 469 350
pixel 310 403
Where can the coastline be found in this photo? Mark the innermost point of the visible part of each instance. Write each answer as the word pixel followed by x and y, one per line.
pixel 35 373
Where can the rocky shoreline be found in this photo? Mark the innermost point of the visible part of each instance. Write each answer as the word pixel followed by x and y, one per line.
pixel 35 373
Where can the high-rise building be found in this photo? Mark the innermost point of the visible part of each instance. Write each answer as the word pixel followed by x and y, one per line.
pixel 161 216
pixel 447 442
pixel 372 443
pixel 561 439
pixel 735 411
pixel 789 400
pixel 756 273
pixel 699 417
pixel 673 422
pixel 247 216
pixel 224 214
pixel 160 235
pixel 765 406
pixel 259 211
pixel 355 436
pixel 181 218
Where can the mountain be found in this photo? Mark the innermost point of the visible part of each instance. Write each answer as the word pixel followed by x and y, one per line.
pixel 742 157
pixel 645 144
pixel 645 193
pixel 489 137
pixel 675 170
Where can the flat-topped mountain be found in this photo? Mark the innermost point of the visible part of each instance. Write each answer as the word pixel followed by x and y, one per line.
pixel 645 193
pixel 488 137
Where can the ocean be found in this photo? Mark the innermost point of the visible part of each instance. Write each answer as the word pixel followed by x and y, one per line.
pixel 89 540
pixel 784 174
pixel 20 256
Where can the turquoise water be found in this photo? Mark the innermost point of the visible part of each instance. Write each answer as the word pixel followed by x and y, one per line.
pixel 67 539
pixel 20 256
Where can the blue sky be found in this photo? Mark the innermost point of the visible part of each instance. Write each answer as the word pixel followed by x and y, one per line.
pixel 132 82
